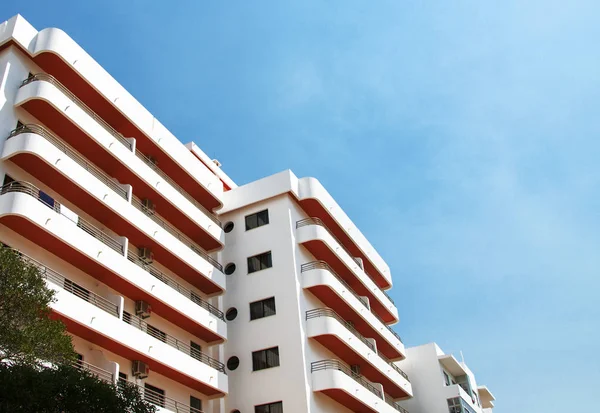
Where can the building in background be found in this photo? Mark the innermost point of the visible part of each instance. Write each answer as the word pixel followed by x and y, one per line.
pixel 209 296
pixel 443 384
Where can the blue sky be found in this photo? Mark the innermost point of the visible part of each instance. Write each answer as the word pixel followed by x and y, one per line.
pixel 461 137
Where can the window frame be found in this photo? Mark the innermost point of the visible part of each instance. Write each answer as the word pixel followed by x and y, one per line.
pixel 261 267
pixel 255 363
pixel 256 215
pixel 262 303
pixel 268 406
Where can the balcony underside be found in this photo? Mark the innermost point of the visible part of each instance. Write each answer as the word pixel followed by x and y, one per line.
pixel 313 208
pixel 332 300
pixel 65 74
pixel 344 352
pixel 111 345
pixel 322 252
pixel 348 401
pixel 49 242
pixel 76 138
pixel 110 219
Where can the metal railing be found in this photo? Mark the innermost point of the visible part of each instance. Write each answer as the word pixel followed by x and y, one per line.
pixel 152 270
pixel 317 221
pixel 328 312
pixel 394 366
pixel 32 190
pixel 394 404
pixel 165 402
pixel 70 286
pixel 94 170
pixel 97 371
pixel 141 325
pixel 173 231
pixel 52 80
pixel 322 265
pixel 344 368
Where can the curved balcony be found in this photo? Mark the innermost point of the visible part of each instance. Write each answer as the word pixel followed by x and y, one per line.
pixel 324 283
pixel 43 155
pixel 35 216
pixel 317 202
pixel 323 245
pixel 341 338
pixel 336 380
pixel 80 129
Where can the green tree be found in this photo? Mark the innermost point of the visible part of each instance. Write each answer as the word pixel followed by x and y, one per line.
pixel 64 389
pixel 27 333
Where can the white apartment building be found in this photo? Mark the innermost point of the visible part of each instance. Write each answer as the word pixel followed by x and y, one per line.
pixel 211 297
pixel 442 384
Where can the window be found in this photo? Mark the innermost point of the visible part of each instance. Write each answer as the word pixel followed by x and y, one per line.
pixel 262 308
pixel 76 289
pixel 446 379
pixel 259 262
pixel 156 333
pixel 265 359
pixel 228 227
pixel 257 220
pixel 154 395
pixel 229 268
pixel 231 314
pixel 454 405
pixel 233 363
pixel 195 404
pixel 269 408
pixel 195 350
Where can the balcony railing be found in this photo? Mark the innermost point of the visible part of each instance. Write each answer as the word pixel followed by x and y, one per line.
pixel 190 295
pixel 394 366
pixel 173 231
pixel 117 135
pixel 173 342
pixel 98 173
pixel 344 368
pixel 328 312
pixel 314 265
pixel 97 371
pixel 32 190
pixel 160 400
pixel 319 222
pixel 395 405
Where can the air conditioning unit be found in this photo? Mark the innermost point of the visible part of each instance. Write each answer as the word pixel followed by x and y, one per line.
pixel 142 309
pixel 148 207
pixel 139 369
pixel 146 255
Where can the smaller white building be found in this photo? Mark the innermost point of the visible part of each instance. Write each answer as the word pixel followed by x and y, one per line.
pixel 442 384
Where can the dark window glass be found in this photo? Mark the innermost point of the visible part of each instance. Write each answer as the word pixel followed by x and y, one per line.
pixel 195 350
pixel 76 289
pixel 195 404
pixel 127 317
pixel 446 379
pixel 257 220
pixel 269 408
pixel 233 363
pixel 154 395
pixel 46 199
pixel 231 314
pixel 229 268
pixel 228 227
pixel 264 359
pixel 156 333
pixel 262 308
pixel 259 262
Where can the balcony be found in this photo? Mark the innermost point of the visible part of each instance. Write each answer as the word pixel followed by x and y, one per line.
pixel 342 339
pixel 101 321
pixel 42 154
pixel 35 216
pixel 84 131
pixel 324 283
pixel 323 245
pixel 337 381
pixel 486 397
pixel 460 400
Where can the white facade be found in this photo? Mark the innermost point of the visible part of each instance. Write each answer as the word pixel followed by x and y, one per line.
pixel 443 384
pixel 264 297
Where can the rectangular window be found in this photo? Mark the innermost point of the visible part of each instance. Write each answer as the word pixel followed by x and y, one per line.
pixel 269 408
pixel 454 406
pixel 195 404
pixel 156 333
pixel 265 359
pixel 446 379
pixel 259 262
pixel 76 289
pixel 154 395
pixel 257 220
pixel 262 308
pixel 195 350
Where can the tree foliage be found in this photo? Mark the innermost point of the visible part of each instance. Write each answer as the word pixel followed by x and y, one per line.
pixel 27 333
pixel 65 389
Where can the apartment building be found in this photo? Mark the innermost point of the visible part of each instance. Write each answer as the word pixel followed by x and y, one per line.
pixel 118 215
pixel 443 384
